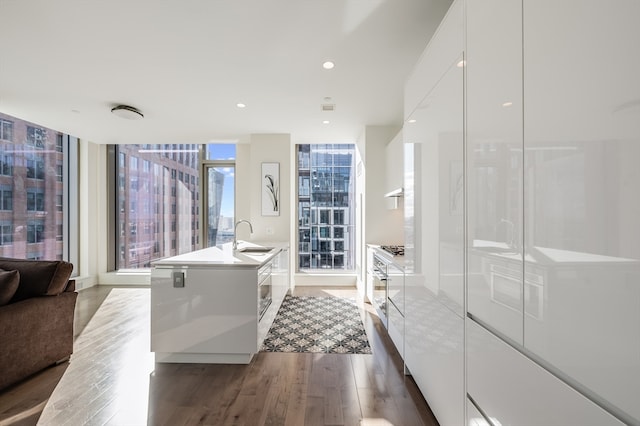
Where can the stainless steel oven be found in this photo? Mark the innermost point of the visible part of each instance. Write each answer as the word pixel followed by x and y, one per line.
pixel 380 288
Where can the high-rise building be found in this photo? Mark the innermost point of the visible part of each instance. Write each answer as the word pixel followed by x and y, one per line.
pixel 158 202
pixel 326 206
pixel 216 184
pixel 31 190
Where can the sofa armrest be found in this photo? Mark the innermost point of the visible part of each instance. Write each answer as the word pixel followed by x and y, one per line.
pixel 71 286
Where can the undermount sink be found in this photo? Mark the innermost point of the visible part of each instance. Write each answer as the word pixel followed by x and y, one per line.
pixel 255 249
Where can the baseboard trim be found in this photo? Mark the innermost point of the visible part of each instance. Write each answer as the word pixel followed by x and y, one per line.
pixel 325 280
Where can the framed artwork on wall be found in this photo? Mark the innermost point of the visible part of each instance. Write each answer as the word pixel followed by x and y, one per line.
pixel 270 189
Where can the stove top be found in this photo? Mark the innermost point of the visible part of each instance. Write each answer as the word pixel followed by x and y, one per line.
pixel 394 250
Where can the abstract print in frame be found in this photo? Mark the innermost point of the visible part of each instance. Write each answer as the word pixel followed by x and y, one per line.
pixel 270 189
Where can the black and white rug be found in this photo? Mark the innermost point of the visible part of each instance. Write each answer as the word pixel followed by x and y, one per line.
pixel 317 324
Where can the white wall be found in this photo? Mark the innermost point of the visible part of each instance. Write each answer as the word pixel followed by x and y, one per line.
pixel 92 215
pixel 382 225
pixel 265 148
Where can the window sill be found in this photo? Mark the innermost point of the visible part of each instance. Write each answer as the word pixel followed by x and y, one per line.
pixel 126 277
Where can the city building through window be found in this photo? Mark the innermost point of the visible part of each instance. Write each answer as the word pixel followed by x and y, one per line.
pixel 219 201
pixel 326 207
pixel 168 228
pixel 33 184
pixel 158 191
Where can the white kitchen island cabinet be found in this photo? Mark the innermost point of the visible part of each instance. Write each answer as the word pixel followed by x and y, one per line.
pixel 206 305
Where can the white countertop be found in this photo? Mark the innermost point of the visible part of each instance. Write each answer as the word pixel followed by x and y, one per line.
pixel 225 256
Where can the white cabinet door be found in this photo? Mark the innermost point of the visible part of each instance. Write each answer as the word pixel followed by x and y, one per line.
pixel 434 287
pixel 494 164
pixel 510 389
pixel 434 351
pixel 396 306
pixel 582 148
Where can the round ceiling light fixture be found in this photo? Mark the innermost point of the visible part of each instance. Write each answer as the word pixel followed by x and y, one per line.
pixel 328 65
pixel 128 112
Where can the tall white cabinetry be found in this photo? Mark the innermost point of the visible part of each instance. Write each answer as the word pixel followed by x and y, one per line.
pixel 541 324
pixel 434 220
pixel 582 194
pixel 553 143
pixel 494 164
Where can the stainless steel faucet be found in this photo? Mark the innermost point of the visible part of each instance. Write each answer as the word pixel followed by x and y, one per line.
pixel 235 232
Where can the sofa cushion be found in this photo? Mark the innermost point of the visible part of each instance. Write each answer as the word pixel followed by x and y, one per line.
pixel 38 277
pixel 8 285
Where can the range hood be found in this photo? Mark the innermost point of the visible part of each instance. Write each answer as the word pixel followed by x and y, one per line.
pixel 395 193
pixel 393 197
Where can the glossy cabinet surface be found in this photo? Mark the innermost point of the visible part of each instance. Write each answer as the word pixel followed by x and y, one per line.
pixel 434 223
pixel 207 316
pixel 551 198
pixel 214 318
pixel 582 194
pixel 280 286
pixel 396 306
pixel 513 390
pixel 494 164
pixel 475 417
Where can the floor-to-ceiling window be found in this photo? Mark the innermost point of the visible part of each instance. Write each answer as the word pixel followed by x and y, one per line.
pixel 165 206
pixel 157 199
pixel 36 201
pixel 219 204
pixel 326 207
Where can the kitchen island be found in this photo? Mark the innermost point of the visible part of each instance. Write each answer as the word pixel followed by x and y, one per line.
pixel 216 305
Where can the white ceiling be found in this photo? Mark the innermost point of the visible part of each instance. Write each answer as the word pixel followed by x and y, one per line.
pixel 186 64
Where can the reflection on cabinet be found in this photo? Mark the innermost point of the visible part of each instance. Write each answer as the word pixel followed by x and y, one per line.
pixel 581 191
pixel 434 222
pixel 434 351
pixel 552 146
pixel 513 390
pixel 494 162
pixel 552 143
pixel 396 306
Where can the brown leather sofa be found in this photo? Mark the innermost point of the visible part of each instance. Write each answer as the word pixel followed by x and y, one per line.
pixel 37 305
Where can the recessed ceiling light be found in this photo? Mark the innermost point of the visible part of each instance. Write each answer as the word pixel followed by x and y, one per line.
pixel 461 64
pixel 128 112
pixel 240 105
pixel 413 120
pixel 325 122
pixel 507 104
pixel 328 65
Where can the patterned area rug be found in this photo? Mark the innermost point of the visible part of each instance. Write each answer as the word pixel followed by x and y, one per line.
pixel 317 324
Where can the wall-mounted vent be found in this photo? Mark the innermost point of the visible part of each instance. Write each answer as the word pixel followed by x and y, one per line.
pixel 328 107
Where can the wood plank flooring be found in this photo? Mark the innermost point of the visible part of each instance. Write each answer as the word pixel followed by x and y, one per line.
pixel 112 379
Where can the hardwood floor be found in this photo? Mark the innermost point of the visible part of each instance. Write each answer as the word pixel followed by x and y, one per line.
pixel 112 379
